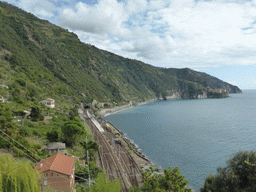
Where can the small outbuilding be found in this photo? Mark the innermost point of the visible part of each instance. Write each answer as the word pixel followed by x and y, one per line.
pixel 57 148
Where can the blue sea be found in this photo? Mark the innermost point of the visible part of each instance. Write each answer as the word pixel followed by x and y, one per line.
pixel 195 135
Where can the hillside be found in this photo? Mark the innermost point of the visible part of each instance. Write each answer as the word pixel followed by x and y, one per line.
pixel 40 60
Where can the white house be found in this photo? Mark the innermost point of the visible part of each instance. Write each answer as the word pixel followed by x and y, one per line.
pixel 48 102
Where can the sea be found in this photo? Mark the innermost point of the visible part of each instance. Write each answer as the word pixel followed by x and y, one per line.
pixel 196 135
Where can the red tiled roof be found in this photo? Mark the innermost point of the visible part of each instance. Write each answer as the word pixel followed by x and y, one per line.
pixel 59 163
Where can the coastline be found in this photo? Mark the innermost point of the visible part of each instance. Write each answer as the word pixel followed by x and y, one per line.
pixel 136 152
pixel 216 93
pixel 109 111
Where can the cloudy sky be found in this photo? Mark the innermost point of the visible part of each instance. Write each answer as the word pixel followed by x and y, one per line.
pixel 213 36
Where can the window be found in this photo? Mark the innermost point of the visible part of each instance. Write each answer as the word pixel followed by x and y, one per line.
pixel 52 174
pixel 46 174
pixel 45 182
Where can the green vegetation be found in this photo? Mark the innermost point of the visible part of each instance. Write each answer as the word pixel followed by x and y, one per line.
pixel 53 135
pixel 170 180
pixel 92 148
pixel 73 131
pixel 40 60
pixel 15 133
pixel 102 184
pixel 32 135
pixel 17 175
pixel 36 114
pixel 6 120
pixel 238 175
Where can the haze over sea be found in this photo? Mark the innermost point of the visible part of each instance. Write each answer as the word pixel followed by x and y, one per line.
pixel 195 135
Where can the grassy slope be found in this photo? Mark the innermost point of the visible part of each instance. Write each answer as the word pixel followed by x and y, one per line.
pixel 54 63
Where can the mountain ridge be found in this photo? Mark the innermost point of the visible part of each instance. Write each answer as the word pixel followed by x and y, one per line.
pixel 55 63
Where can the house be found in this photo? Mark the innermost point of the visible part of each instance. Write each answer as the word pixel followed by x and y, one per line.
pixel 58 172
pixel 48 102
pixel 57 148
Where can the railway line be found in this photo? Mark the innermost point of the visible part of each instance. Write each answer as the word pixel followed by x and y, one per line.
pixel 131 168
pixel 115 157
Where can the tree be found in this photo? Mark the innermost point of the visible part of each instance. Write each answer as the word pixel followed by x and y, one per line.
pixel 6 120
pixel 18 176
pixel 52 135
pixel 171 180
pixel 238 175
pixel 36 114
pixel 152 184
pixel 103 184
pixel 6 125
pixel 92 148
pixel 72 132
pixel 73 113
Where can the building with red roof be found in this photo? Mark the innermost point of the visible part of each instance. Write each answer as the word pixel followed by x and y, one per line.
pixel 58 172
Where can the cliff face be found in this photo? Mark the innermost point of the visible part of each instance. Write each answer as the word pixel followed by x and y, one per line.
pixel 53 62
pixel 193 84
pixel 198 94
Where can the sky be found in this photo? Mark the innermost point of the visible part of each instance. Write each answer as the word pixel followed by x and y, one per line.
pixel 213 36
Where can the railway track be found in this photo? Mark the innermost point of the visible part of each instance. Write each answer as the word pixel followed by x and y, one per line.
pixel 131 168
pixel 115 159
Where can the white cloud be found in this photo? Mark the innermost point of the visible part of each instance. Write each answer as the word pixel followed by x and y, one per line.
pixel 253 81
pixel 149 45
pixel 106 17
pixel 44 9
pixel 209 32
pixel 135 6
pixel 157 4
pixel 175 33
pixel 169 33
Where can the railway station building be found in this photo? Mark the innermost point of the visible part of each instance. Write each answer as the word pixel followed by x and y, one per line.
pixel 58 172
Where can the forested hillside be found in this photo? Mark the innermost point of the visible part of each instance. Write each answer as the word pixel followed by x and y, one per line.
pixel 39 60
